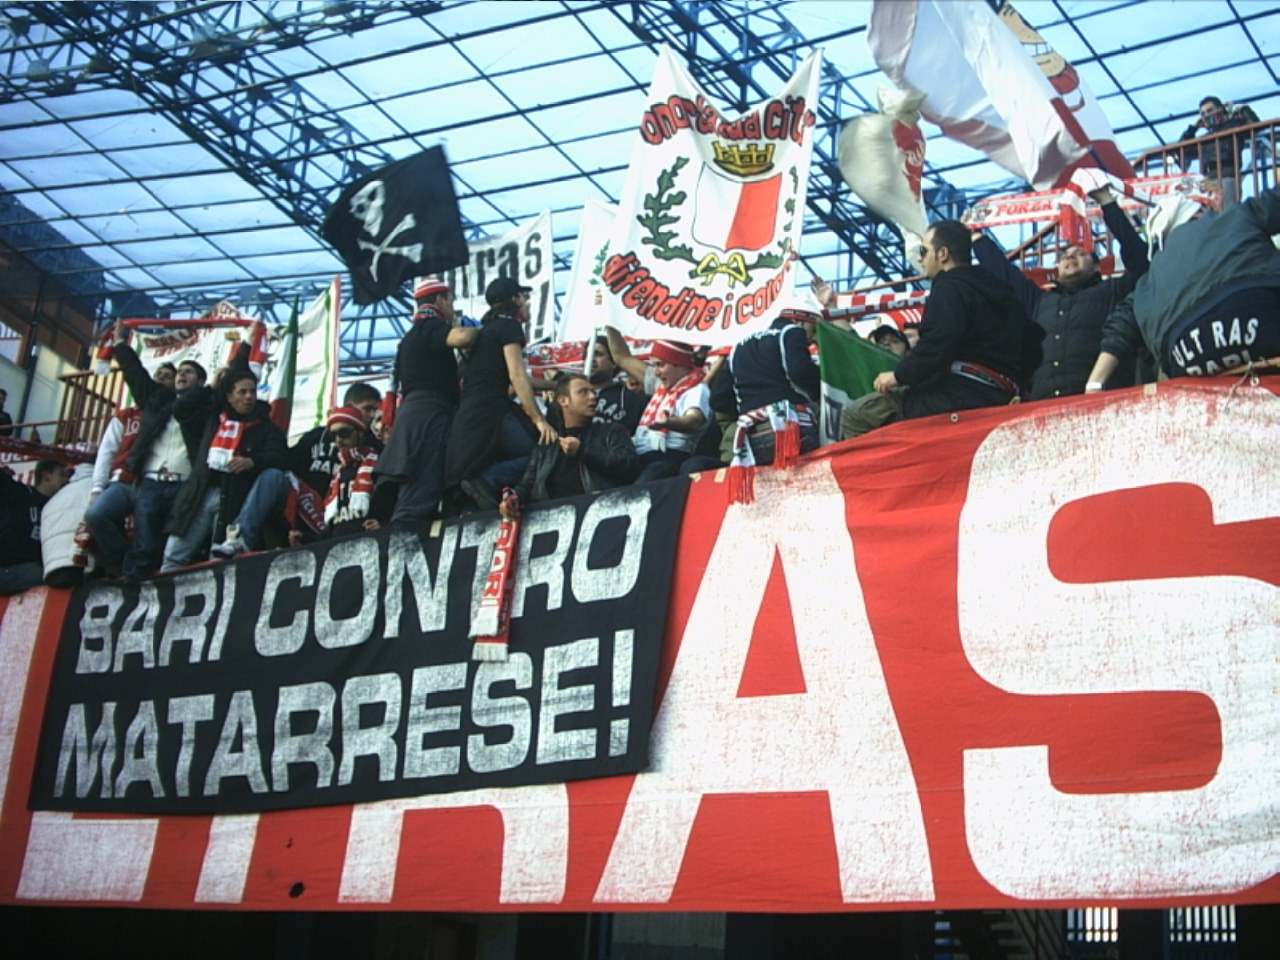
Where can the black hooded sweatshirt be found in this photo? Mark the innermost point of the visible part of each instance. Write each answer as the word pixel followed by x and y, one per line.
pixel 973 317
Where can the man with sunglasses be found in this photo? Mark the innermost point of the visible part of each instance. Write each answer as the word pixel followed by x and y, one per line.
pixel 350 504
pixel 970 350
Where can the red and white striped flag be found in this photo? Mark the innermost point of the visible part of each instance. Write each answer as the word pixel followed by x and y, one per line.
pixel 732 214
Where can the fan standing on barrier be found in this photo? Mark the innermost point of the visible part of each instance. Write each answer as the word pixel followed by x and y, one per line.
pixel 156 465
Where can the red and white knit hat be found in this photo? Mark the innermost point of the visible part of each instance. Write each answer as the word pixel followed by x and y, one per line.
pixel 347 417
pixel 668 351
pixel 429 286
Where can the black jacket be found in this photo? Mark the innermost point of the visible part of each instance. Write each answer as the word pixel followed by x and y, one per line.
pixel 616 404
pixel 773 365
pixel 156 403
pixel 1220 158
pixel 606 459
pixel 1069 322
pixel 312 458
pixel 971 316
pixel 263 443
pixel 20 508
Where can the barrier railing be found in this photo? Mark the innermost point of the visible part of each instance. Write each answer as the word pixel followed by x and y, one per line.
pixel 1242 159
pixel 88 402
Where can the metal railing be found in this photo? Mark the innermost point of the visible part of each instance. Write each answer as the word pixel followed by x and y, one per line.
pixel 1242 159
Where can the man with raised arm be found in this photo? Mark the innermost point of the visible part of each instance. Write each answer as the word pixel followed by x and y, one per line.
pixel 1069 315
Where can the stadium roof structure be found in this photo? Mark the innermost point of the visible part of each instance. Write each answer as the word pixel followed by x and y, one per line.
pixel 158 157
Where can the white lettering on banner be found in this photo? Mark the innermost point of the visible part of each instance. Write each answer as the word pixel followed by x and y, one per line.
pixel 226 859
pixel 272 641
pixel 548 568
pixel 535 842
pixel 361 555
pixel 841 737
pixel 609 583
pixel 190 628
pixel 96 634
pixel 405 557
pixel 1028 838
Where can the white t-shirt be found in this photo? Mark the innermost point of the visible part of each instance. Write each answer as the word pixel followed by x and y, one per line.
pixel 648 441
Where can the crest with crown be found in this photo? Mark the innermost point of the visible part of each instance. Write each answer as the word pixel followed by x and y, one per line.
pixel 743 159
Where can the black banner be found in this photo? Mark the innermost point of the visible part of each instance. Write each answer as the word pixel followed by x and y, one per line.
pixel 342 673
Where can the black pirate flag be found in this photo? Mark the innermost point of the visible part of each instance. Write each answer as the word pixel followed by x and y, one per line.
pixel 397 222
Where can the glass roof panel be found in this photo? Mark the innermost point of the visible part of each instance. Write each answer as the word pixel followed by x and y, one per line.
pixel 186 193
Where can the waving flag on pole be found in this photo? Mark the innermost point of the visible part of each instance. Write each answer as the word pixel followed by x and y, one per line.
pixel 710 217
pixel 983 88
pixel 396 222
pixel 300 375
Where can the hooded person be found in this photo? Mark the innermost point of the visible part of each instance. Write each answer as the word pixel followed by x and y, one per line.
pixel 413 463
pixel 492 437
pixel 238 480
pixel 1211 300
pixel 970 352
pixel 349 503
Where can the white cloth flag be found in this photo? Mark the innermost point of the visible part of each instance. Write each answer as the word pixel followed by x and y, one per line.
pixel 524 253
pixel 712 211
pixel 585 307
pixel 315 377
pixel 982 87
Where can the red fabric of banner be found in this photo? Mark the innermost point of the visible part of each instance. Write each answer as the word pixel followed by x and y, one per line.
pixel 1024 656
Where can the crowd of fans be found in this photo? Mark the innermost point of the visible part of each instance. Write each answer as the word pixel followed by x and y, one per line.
pixel 197 468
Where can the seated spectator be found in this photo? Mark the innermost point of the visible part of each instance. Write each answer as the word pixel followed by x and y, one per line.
pixel 312 458
pixel 65 564
pixel 1211 300
pixel 1220 159
pixel 151 465
pixel 349 503
pixel 677 412
pixel 21 566
pixel 589 455
pixel 774 380
pixel 1068 317
pixel 616 402
pixel 491 438
pixel 971 342
pixel 237 479
pixel 888 337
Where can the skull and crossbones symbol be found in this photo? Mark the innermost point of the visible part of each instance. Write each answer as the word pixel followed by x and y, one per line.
pixel 366 206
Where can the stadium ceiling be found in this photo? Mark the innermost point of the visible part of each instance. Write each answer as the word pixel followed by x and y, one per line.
pixel 158 157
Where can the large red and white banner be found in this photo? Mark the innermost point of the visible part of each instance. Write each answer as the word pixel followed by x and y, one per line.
pixel 1024 656
pixel 711 214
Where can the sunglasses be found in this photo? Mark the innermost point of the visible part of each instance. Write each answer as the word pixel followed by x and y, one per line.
pixel 343 433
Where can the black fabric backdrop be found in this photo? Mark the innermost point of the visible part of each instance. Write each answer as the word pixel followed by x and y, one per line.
pixel 341 673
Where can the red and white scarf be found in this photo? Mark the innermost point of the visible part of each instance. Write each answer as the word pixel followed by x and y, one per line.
pixel 662 404
pixel 359 489
pixel 491 625
pixel 226 441
pixel 785 418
